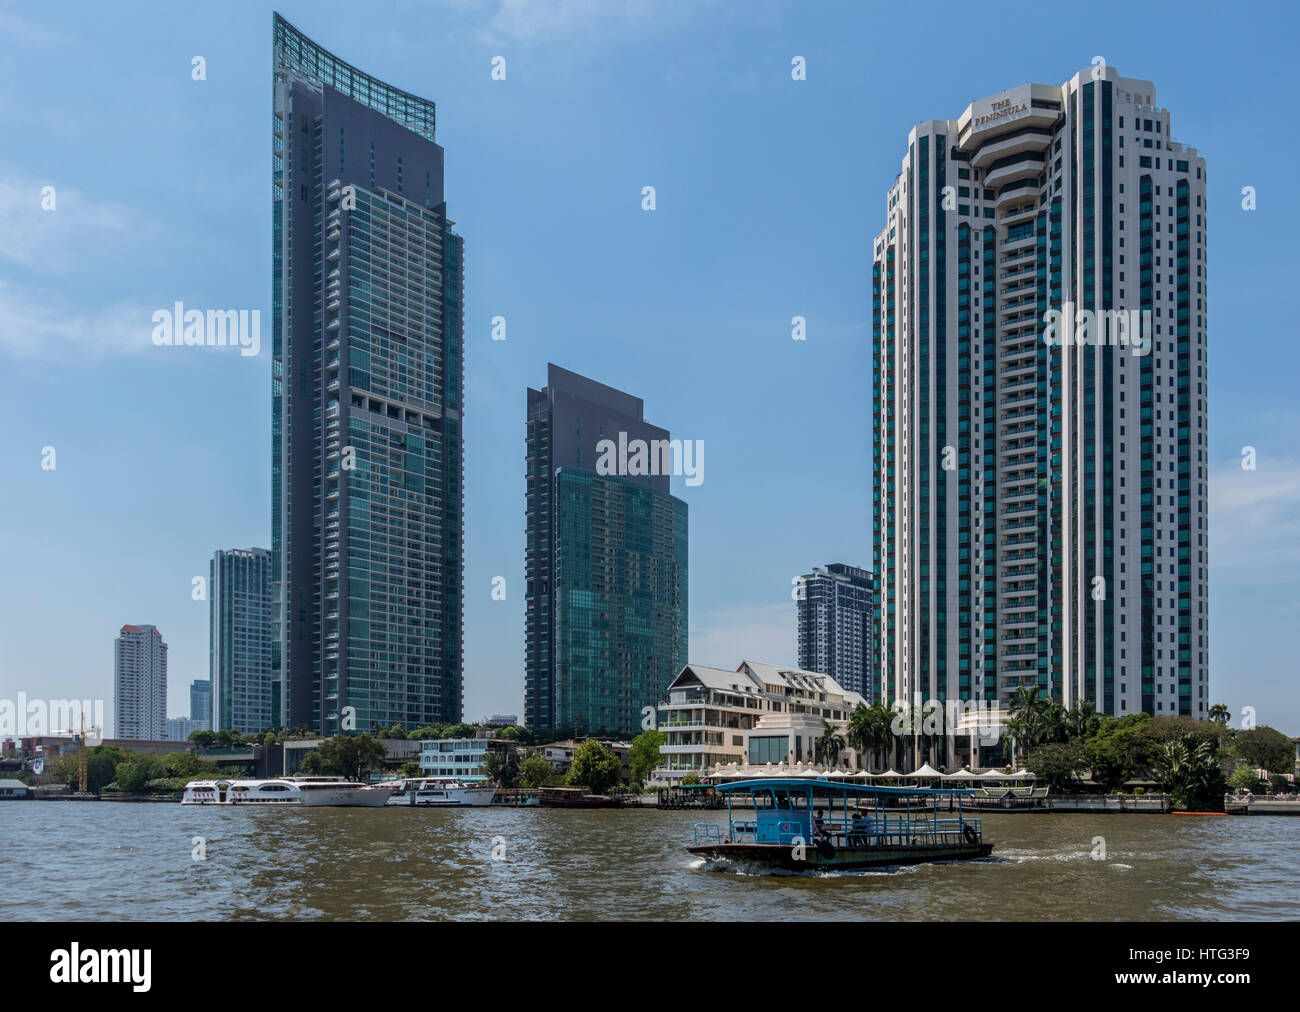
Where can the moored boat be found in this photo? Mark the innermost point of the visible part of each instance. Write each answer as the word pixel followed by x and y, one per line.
pixel 801 824
pixel 439 792
pixel 307 792
pixel 575 797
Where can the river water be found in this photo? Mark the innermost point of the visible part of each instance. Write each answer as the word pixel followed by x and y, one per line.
pixel 119 861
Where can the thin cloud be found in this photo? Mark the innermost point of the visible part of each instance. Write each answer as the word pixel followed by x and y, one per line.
pixel 36 324
pixel 727 636
pixel 1255 522
pixel 62 240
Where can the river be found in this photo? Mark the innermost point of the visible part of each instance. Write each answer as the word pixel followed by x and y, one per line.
pixel 117 861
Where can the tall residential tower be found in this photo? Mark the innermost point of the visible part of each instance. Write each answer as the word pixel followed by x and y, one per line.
pixel 1039 508
pixel 606 563
pixel 367 380
pixel 140 683
pixel 239 641
pixel 837 625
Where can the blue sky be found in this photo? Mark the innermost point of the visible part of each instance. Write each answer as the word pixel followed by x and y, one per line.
pixel 768 194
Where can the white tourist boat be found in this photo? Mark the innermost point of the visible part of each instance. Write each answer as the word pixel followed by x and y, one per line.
pixel 308 792
pixel 440 792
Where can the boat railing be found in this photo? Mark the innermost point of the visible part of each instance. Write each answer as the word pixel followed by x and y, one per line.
pixel 876 831
pixel 707 832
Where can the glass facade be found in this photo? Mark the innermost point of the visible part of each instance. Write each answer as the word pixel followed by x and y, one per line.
pixel 367 380
pixel 606 566
pixel 239 631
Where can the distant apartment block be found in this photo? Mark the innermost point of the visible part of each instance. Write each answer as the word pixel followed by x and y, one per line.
pixel 140 683
pixel 239 631
pixel 201 699
pixel 606 564
pixel 180 728
pixel 836 625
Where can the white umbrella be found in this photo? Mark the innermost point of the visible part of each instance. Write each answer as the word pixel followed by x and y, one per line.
pixel 925 771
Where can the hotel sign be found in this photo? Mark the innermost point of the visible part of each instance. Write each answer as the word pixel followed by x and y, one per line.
pixel 1003 108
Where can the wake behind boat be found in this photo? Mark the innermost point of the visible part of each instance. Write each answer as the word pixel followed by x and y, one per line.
pixel 439 792
pixel 801 824
pixel 307 792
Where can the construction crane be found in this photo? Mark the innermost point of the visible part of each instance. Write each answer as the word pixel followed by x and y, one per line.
pixel 83 753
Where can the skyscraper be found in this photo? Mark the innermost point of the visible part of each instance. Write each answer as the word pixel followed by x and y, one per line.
pixel 239 641
pixel 201 694
pixel 367 380
pixel 140 683
pixel 606 563
pixel 836 625
pixel 1039 509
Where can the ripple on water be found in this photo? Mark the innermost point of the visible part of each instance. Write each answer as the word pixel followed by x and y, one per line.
pixel 135 862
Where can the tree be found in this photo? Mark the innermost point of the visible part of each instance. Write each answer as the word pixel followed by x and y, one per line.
pixel 501 768
pixel 594 766
pixel 351 756
pixel 1117 751
pixel 645 757
pixel 1244 778
pixel 1061 764
pixel 1083 721
pixel 410 769
pixel 1266 748
pixel 827 748
pixel 135 771
pixel 1189 771
pixel 203 739
pixel 534 772
pixel 1220 714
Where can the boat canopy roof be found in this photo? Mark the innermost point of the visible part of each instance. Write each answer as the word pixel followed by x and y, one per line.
pixel 837 787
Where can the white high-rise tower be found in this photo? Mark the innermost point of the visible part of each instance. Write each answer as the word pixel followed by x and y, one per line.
pixel 1039 382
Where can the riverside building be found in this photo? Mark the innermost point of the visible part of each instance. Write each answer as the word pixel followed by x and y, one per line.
pixel 606 564
pixel 757 714
pixel 1039 509
pixel 367 395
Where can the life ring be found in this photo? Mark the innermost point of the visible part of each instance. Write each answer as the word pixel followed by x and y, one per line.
pixel 969 833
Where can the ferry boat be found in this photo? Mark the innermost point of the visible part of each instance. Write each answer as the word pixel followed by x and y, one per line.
pixel 801 824
pixel 308 792
pixel 439 792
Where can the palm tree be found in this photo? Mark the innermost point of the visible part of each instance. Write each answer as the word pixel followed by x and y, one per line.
pixel 1187 768
pixel 828 747
pixel 1083 721
pixel 870 732
pixel 1026 725
pixel 1220 714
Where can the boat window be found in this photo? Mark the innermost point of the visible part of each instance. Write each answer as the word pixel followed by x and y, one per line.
pixel 763 799
pixel 274 787
pixel 782 799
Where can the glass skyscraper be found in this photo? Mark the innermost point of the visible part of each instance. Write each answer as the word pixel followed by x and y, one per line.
pixel 606 564
pixel 239 634
pixel 367 381
pixel 1039 499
